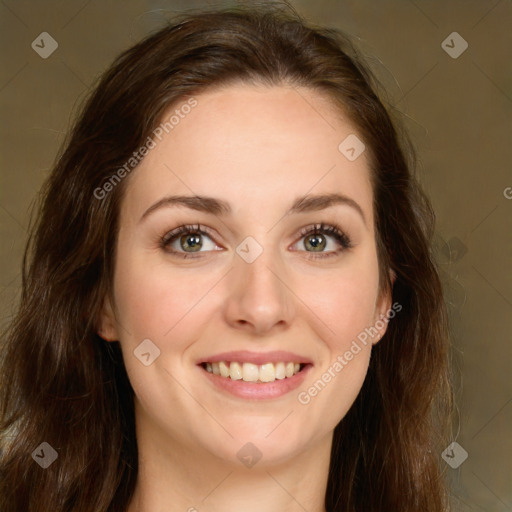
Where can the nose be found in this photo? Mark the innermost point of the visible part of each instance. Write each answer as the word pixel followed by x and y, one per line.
pixel 259 300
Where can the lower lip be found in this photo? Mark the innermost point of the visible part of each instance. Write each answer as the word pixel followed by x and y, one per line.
pixel 255 390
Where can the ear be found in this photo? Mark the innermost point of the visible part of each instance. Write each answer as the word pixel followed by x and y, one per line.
pixel 107 323
pixel 382 309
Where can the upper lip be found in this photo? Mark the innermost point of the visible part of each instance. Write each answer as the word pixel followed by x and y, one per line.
pixel 259 358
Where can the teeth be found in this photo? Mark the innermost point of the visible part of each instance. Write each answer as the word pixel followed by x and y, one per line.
pixel 235 371
pixel 267 372
pixel 250 372
pixel 280 371
pixel 224 369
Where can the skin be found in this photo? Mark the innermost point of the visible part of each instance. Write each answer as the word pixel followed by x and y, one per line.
pixel 250 146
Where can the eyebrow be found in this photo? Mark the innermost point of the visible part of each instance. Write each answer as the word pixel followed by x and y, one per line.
pixel 212 205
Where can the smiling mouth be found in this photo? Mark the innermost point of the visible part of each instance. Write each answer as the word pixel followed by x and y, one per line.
pixel 249 372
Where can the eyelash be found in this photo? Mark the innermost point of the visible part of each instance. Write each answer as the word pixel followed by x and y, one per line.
pixel 316 229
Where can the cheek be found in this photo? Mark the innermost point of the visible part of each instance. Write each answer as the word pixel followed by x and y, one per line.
pixel 345 302
pixel 346 307
pixel 152 302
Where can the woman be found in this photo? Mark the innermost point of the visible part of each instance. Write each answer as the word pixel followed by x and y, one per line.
pixel 229 300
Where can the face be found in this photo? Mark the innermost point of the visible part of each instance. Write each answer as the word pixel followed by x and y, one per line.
pixel 278 272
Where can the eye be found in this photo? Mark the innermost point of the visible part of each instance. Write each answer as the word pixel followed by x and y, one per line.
pixel 185 241
pixel 320 240
pixel 324 240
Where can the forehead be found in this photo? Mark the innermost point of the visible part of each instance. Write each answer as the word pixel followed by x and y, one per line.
pixel 253 145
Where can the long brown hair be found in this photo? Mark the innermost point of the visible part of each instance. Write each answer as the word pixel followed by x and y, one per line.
pixel 63 385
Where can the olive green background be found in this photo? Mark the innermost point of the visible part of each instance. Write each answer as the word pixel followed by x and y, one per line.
pixel 458 111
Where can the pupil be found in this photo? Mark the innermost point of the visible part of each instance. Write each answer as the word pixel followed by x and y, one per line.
pixel 316 242
pixel 191 241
